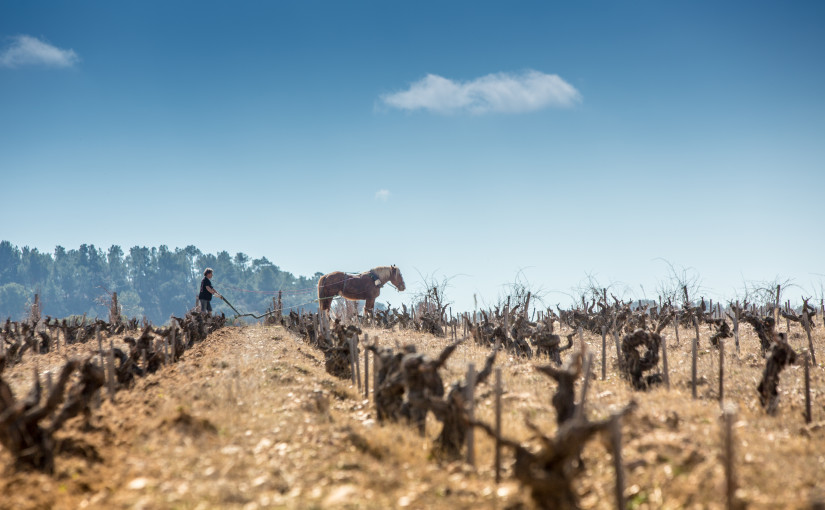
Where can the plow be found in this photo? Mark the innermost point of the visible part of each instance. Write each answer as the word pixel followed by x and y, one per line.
pixel 238 314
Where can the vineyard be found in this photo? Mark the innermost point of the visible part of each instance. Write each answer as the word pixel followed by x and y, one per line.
pixel 607 405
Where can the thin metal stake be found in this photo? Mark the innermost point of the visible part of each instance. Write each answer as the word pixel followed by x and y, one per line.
pixel 366 369
pixel 808 417
pixel 694 348
pixel 721 371
pixel 604 351
pixel 730 474
pixel 498 425
pixel 664 362
pixel 616 443
pixel 471 383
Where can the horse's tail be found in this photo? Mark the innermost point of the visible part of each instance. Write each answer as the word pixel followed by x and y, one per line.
pixel 321 286
pixel 323 299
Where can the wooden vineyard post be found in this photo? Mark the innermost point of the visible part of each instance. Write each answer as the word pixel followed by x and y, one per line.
pixel 664 362
pixel 588 362
pixel 527 305
pixel 776 306
pixel 280 307
pixel 604 352
pixel 787 320
pixel 36 309
pixel 736 326
pixel 366 369
pixel 166 348
pixel 498 425
pixel 110 370
pixel 581 339
pixel 730 474
pixel 618 349
pixel 721 371
pixel 676 325
pixel 353 357
pixel 808 417
pixel 616 444
pixel 114 311
pixel 807 327
pixel 99 346
pixel 471 383
pixel 506 321
pixel 694 348
pixel 375 368
pixel 357 361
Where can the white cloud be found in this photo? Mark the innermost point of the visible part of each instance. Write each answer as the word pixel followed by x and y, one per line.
pixel 382 195
pixel 494 93
pixel 26 50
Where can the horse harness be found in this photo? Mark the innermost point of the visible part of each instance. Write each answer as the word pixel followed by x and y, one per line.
pixel 375 278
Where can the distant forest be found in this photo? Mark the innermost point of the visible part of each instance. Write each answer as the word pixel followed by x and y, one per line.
pixel 150 282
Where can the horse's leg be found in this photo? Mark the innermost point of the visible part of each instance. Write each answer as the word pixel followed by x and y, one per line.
pixel 324 296
pixel 369 304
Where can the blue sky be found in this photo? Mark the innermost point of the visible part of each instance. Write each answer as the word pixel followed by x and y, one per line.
pixel 480 142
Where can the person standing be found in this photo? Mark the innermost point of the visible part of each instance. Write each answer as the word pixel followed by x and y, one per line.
pixel 206 293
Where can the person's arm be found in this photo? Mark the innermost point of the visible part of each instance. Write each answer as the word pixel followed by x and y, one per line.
pixel 213 291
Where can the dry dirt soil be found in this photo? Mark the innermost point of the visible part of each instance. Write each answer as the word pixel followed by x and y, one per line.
pixel 249 419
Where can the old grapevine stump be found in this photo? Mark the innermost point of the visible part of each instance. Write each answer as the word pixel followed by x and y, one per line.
pixel 21 431
pixel 422 382
pixel 549 473
pixel 388 391
pixel 764 327
pixel 636 363
pixel 564 400
pixel 341 351
pixel 780 355
pixel 451 411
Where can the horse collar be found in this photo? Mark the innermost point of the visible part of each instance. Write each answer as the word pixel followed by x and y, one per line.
pixel 375 278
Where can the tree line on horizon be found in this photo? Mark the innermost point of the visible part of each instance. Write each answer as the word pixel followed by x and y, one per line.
pixel 154 283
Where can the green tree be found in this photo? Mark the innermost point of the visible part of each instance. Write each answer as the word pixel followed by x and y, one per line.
pixel 13 298
pixel 34 267
pixel 150 282
pixel 9 262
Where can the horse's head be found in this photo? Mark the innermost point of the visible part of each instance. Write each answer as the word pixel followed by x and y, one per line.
pixel 396 278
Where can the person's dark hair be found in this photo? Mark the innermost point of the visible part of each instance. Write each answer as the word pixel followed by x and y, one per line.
pixel 207 271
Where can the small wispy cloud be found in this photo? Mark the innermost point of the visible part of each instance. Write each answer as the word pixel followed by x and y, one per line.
pixel 25 50
pixel 382 195
pixel 495 93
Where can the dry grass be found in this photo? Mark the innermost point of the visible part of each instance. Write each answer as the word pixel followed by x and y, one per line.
pixel 250 419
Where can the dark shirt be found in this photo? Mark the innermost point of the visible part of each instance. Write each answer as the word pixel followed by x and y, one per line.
pixel 205 294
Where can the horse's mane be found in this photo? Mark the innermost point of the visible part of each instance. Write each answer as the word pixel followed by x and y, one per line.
pixel 383 272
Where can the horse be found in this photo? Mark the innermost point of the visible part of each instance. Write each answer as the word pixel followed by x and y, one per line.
pixel 366 286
